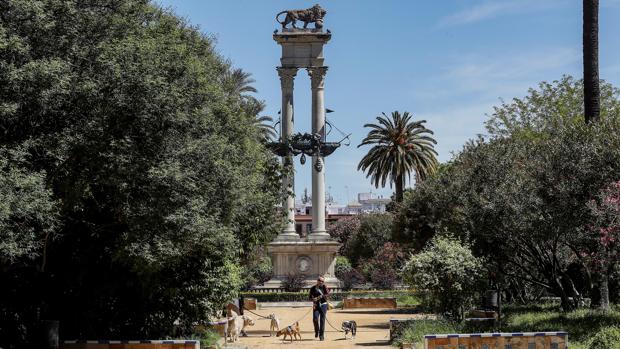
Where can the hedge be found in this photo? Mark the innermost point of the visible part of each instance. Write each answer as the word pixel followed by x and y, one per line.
pixel 336 296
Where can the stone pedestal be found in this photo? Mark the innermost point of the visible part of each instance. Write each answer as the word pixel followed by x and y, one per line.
pixel 311 259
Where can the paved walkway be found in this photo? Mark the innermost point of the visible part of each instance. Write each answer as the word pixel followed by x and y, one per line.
pixel 372 330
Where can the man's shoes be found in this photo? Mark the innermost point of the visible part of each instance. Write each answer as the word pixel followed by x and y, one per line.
pixel 316 335
pixel 322 338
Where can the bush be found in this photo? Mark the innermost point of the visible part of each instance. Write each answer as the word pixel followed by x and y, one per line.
pixel 415 330
pixel 257 273
pixel 447 274
pixel 294 282
pixel 402 296
pixel 342 267
pixel 608 338
pixel 352 278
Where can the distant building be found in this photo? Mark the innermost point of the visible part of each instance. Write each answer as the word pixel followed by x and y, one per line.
pixel 366 203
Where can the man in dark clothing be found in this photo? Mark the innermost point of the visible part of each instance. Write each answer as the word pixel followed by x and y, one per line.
pixel 318 296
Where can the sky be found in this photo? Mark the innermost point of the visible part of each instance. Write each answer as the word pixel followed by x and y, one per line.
pixel 448 62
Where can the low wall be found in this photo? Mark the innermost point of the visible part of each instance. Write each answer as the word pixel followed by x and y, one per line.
pixel 145 344
pixel 520 340
pixel 352 303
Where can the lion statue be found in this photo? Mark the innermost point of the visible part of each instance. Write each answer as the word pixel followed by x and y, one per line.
pixel 314 15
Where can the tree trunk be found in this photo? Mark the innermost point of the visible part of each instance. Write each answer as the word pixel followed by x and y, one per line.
pixel 591 92
pixel 604 288
pixel 399 184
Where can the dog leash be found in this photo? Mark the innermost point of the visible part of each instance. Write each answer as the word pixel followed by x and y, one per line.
pixel 251 312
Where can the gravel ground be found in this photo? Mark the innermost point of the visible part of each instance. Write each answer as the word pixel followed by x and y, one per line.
pixel 372 328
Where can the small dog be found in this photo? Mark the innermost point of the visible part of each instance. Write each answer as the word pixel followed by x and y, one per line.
pixel 291 331
pixel 349 326
pixel 275 324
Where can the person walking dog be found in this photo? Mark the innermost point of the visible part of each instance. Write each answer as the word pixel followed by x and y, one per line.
pixel 318 296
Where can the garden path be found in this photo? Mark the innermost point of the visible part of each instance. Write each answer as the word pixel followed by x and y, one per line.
pixel 372 326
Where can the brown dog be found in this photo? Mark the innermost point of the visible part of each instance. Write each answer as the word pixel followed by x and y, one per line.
pixel 291 331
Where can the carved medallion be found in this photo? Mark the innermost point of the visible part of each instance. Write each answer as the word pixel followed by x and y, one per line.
pixel 304 264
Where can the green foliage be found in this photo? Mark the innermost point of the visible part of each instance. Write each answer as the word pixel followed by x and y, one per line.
pixel 400 146
pixel 552 106
pixel 131 128
pixel 375 230
pixel 207 337
pixel 608 337
pixel 415 330
pixel 257 272
pixel 342 267
pixel 582 324
pixel 28 213
pixel 407 298
pixel 447 274
pixel 521 197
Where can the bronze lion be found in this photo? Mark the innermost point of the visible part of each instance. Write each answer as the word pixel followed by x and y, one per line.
pixel 314 15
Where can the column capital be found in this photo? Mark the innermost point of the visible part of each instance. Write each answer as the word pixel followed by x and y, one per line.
pixel 287 77
pixel 317 76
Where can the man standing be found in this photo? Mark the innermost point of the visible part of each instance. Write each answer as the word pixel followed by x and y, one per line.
pixel 318 295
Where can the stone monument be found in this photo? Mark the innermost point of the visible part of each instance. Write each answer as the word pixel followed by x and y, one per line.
pixel 290 254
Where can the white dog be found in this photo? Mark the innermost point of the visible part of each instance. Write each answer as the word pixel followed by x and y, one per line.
pixel 236 325
pixel 275 324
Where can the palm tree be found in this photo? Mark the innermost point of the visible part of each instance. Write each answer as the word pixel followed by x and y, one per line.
pixel 591 92
pixel 266 130
pixel 400 146
pixel 239 82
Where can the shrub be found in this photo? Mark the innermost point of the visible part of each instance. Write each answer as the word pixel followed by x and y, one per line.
pixel 415 330
pixel 257 273
pixel 404 297
pixel 608 338
pixel 447 274
pixel 382 268
pixel 342 267
pixel 352 278
pixel 294 282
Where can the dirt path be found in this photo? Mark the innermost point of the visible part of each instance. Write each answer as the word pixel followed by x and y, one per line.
pixel 372 331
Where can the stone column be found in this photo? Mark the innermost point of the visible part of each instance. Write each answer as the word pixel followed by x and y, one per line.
pixel 317 78
pixel 287 77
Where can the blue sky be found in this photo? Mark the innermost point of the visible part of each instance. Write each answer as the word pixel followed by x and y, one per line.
pixel 447 62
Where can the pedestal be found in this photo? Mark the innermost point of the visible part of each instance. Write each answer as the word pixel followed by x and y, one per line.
pixel 311 259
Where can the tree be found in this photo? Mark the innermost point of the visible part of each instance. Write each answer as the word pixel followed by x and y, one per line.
pixel 591 96
pixel 521 197
pixel 400 146
pixel 239 82
pixel 603 252
pixel 161 185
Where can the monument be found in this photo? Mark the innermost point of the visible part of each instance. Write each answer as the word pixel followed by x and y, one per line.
pixel 302 48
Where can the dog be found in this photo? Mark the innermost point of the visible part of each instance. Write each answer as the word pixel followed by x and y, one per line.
pixel 236 326
pixel 349 326
pixel 275 324
pixel 292 331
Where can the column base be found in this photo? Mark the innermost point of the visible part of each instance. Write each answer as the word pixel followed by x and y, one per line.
pixel 287 236
pixel 319 236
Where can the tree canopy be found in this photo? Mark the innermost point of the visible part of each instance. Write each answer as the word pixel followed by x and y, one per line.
pixel 146 166
pixel 522 196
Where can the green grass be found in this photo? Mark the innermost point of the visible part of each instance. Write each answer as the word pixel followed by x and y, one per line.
pixel 420 328
pixel 581 324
